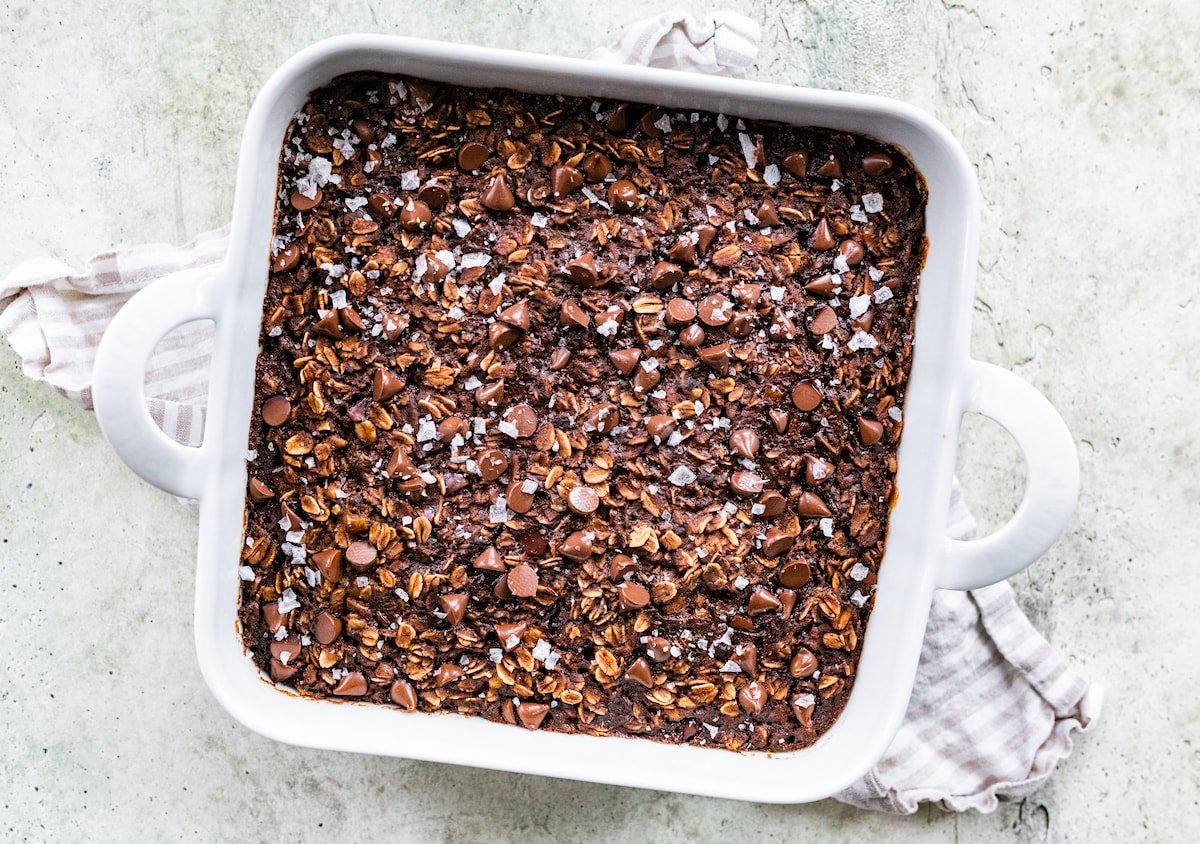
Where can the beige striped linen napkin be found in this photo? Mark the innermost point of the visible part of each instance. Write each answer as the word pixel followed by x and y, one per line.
pixel 994 706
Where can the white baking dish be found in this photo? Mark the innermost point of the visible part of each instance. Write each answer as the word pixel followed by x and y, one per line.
pixel 944 384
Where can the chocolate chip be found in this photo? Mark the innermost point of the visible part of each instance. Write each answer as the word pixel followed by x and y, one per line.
pixel 454 605
pixel 824 322
pixel 564 179
pixel 500 588
pixel 329 564
pixel 745 442
pixel 471 155
pixel 271 616
pixel 683 251
pixel 400 465
pixel 811 506
pixel 415 215
pixel 639 672
pixel 823 286
pixel 281 672
pixel 447 673
pixel 745 657
pixel 716 357
pixel 794 574
pixel 876 163
pixel 831 169
pixel 276 410
pixel 617 120
pixel 583 500
pixel 691 337
pixel 519 501
pixel 602 418
pixel 384 385
pixel 817 470
pixel 492 464
pixel 327 628
pixel 788 599
pixel 633 595
pixel 803 663
pixel 822 238
pixel 516 315
pixel 571 314
pixel 649 119
pixel 748 294
pixel 532 714
pixel 776 542
pixel 752 698
pixel 287 258
pixel 501 336
pixel 434 194
pixel 715 310
pixel 423 91
pixel 869 430
pixel 509 634
pixel 435 269
pixel 763 600
pixel 259 492
pixel 451 427
pixel 523 418
pixel 665 275
pixel 360 555
pixel 806 396
pixel 577 546
pixel 596 166
pixel 286 650
pixel 767 214
pixel 559 358
pixel 303 203
pixel 621 565
pixel 803 704
pixel 625 359
pixel 403 695
pixel 744 482
pixel 852 251
pixel 353 684
pixel 705 235
pixel 490 395
pixel 497 196
pixel 780 419
pixel 381 206
pixel 288 513
pixel 623 195
pixel 782 327
pixel 582 270
pixel 864 321
pixel 796 163
pixel 364 130
pixel 660 427
pixel 741 325
pixel 773 504
pixel 658 649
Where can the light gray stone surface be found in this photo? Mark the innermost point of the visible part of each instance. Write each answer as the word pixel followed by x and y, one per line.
pixel 119 122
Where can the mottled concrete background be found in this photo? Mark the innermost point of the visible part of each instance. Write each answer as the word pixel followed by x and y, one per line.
pixel 119 122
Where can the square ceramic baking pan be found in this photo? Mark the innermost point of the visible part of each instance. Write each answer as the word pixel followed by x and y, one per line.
pixel 944 384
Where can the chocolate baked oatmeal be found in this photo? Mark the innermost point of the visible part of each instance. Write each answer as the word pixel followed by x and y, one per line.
pixel 575 414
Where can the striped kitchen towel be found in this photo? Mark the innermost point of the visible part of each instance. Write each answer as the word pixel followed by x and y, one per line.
pixel 994 705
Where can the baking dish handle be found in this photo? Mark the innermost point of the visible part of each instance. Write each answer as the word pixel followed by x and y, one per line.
pixel 1051 483
pixel 118 379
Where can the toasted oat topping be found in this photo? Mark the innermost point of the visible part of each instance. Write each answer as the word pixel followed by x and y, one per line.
pixel 579 415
